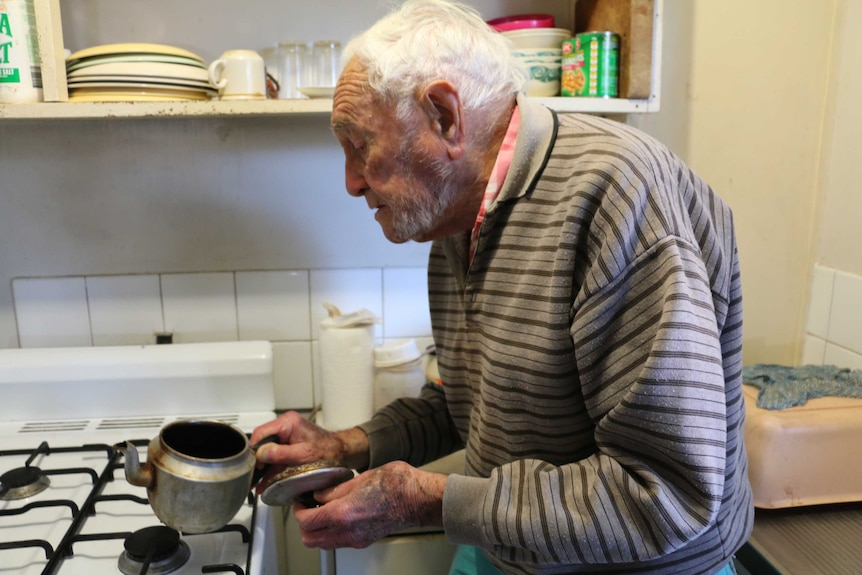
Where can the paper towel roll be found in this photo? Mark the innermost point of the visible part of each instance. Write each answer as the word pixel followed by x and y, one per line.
pixel 347 375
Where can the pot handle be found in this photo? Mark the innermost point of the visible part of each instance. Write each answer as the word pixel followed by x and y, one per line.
pixel 259 472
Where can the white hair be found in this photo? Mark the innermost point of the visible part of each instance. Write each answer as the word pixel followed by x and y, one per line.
pixel 428 40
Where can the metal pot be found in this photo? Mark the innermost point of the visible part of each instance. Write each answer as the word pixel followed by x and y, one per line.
pixel 197 473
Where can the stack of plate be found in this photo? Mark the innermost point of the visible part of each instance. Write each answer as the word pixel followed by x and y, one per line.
pixel 137 73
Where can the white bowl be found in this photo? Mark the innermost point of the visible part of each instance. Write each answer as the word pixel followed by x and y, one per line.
pixel 544 79
pixel 531 53
pixel 538 37
pixel 558 60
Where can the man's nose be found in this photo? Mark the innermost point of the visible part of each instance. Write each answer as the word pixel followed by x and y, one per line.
pixel 354 182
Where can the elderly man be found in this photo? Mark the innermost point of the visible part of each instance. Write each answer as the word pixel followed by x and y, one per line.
pixel 586 305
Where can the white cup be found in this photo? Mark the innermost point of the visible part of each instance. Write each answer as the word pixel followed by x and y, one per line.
pixel 239 75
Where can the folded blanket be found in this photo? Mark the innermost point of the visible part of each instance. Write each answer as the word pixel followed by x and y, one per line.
pixel 783 386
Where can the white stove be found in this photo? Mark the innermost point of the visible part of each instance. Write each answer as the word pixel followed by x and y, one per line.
pixel 65 505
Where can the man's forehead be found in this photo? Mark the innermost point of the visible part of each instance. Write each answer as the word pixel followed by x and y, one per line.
pixel 352 100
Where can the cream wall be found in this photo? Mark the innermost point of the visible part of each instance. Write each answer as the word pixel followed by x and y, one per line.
pixel 840 237
pixel 833 333
pixel 745 101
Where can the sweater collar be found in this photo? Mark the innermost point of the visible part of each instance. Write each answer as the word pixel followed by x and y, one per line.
pixel 532 149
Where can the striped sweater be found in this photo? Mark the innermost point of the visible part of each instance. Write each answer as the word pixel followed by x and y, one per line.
pixel 591 359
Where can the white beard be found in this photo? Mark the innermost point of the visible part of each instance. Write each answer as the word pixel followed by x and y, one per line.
pixel 415 215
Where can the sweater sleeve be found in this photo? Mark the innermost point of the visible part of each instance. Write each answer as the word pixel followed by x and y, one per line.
pixel 650 370
pixel 417 430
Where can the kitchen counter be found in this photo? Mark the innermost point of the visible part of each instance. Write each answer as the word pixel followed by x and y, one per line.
pixel 822 540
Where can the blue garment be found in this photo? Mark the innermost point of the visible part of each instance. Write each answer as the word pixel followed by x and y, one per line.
pixel 785 386
pixel 472 561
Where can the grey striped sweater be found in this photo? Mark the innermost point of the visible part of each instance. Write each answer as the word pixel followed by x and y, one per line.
pixel 591 359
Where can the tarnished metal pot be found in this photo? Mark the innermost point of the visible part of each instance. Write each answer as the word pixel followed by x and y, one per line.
pixel 197 473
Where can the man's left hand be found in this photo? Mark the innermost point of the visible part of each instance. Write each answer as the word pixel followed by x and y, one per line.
pixel 379 502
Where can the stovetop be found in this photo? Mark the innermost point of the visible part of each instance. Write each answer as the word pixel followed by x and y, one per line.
pixel 81 515
pixel 61 410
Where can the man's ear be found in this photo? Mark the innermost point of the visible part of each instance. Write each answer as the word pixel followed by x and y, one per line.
pixel 441 102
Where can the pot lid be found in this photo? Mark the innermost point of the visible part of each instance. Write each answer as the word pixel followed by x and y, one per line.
pixel 298 481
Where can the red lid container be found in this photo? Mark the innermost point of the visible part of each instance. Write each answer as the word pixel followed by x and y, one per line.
pixel 521 21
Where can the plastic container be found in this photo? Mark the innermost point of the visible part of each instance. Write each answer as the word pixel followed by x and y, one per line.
pixel 538 37
pixel 521 21
pixel 397 372
pixel 804 455
pixel 20 64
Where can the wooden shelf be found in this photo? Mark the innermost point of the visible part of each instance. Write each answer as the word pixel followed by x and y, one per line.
pixel 114 110
pixel 180 109
pixel 638 22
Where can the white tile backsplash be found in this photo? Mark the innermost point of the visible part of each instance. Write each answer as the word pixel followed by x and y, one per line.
pixel 820 304
pixel 836 355
pixel 405 305
pixel 834 327
pixel 282 306
pixel 292 371
pixel 813 350
pixel 125 310
pixel 273 305
pixel 200 307
pixel 52 312
pixel 845 321
pixel 317 378
pixel 350 290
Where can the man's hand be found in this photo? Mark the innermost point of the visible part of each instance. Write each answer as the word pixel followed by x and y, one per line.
pixel 376 503
pixel 301 442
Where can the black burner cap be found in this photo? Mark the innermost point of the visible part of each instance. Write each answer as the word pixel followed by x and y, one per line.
pixel 155 542
pixel 21 477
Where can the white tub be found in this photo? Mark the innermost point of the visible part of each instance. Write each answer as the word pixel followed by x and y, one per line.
pixel 805 455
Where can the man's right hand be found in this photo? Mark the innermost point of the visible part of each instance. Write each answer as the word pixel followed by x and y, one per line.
pixel 301 442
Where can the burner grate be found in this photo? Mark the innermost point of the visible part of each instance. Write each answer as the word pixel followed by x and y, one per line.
pixel 154 550
pixel 22 482
pixel 157 564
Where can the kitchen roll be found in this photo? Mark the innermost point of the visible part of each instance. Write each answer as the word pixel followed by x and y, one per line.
pixel 347 368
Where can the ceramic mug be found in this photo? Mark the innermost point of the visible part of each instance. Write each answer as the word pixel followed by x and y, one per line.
pixel 239 75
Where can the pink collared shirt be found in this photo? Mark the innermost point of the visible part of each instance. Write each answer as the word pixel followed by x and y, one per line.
pixel 498 176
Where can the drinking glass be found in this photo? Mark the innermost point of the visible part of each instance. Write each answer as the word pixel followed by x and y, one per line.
pixel 292 58
pixel 325 68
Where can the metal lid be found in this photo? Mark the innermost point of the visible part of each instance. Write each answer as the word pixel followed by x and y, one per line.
pixel 293 482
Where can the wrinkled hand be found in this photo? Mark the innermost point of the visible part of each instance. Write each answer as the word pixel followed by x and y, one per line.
pixel 301 441
pixel 374 504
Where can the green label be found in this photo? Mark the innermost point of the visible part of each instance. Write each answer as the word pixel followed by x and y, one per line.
pixel 16 44
pixel 590 65
pixel 9 76
pixel 4 24
pixel 5 42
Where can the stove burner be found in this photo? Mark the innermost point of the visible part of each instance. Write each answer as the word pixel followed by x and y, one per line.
pixel 160 546
pixel 22 482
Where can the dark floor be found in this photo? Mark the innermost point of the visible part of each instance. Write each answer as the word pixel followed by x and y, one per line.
pixel 740 570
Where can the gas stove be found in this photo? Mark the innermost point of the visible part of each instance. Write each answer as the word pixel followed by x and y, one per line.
pixel 65 505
